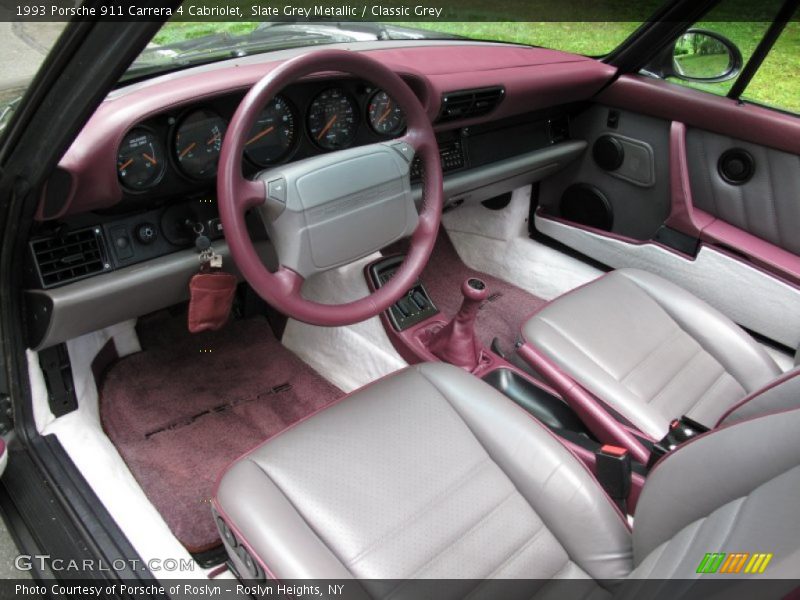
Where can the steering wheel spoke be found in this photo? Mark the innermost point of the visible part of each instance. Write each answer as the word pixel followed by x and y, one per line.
pixel 250 194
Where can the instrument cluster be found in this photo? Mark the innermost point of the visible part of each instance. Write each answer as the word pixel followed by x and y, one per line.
pixel 177 151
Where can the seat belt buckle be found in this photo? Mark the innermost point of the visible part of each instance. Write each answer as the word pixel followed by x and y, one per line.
pixel 680 431
pixel 613 469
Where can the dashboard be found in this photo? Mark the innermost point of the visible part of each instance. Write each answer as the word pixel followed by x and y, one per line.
pixel 176 152
pixel 117 218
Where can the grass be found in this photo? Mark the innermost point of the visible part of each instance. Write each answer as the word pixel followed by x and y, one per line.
pixel 703 66
pixel 591 39
pixel 777 82
pixel 179 31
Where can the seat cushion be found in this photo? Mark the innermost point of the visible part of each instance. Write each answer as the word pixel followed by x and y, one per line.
pixel 427 473
pixel 650 350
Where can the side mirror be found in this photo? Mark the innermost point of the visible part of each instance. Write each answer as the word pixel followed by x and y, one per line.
pixel 699 55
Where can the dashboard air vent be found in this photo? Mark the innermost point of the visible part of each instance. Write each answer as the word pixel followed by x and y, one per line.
pixel 70 256
pixel 466 104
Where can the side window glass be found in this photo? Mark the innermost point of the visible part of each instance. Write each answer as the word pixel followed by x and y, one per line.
pixel 777 82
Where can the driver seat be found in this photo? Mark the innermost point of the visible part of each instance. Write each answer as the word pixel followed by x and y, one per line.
pixel 431 473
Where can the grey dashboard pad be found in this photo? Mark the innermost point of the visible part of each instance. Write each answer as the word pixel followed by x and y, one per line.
pixel 343 206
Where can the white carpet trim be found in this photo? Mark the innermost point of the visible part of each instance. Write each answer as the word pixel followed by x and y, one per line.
pixel 351 356
pixel 82 437
pixel 496 242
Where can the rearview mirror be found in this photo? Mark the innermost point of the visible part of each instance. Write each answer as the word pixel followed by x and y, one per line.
pixel 698 55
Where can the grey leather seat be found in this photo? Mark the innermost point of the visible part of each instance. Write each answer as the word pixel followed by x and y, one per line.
pixel 431 473
pixel 650 350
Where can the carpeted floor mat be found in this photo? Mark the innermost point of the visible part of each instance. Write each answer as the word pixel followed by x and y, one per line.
pixel 187 405
pixel 503 313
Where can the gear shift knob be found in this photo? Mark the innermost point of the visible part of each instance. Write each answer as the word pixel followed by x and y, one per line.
pixel 474 289
pixel 456 343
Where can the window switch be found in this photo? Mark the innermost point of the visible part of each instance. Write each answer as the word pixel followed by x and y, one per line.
pixel 404 306
pixel 420 300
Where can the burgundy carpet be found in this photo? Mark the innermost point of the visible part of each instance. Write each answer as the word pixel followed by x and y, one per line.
pixel 186 406
pixel 503 313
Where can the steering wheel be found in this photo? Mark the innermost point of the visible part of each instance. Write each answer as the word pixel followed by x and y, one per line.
pixel 330 210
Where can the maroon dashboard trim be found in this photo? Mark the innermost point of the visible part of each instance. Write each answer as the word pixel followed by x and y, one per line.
pixel 532 77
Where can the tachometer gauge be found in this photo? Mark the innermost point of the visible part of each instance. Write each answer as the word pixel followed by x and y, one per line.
pixel 333 119
pixel 140 160
pixel 385 116
pixel 198 142
pixel 273 134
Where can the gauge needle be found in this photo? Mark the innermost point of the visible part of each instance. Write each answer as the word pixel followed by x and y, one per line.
pixel 386 112
pixel 328 125
pixel 259 135
pixel 213 139
pixel 150 159
pixel 186 150
pixel 126 164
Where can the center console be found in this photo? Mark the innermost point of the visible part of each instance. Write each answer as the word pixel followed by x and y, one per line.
pixel 416 306
pixel 421 333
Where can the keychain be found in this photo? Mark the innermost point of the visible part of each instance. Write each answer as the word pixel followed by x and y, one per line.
pixel 210 261
pixel 208 258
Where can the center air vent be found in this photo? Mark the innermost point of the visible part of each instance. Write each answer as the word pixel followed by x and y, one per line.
pixel 466 104
pixel 70 256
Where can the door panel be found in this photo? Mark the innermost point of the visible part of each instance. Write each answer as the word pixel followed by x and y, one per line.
pixel 718 114
pixel 731 231
pixel 637 190
pixel 767 205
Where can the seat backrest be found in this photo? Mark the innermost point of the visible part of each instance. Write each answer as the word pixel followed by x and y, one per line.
pixel 734 490
pixel 781 394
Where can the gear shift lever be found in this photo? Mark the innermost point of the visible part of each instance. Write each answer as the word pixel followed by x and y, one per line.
pixel 456 343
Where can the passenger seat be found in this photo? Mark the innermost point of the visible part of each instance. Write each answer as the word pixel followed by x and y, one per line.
pixel 652 352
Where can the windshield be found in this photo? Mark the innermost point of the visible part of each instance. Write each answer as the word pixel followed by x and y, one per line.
pixel 180 44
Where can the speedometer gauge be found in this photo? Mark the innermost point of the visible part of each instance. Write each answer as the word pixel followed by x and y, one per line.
pixel 273 135
pixel 198 142
pixel 140 160
pixel 385 116
pixel 333 119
